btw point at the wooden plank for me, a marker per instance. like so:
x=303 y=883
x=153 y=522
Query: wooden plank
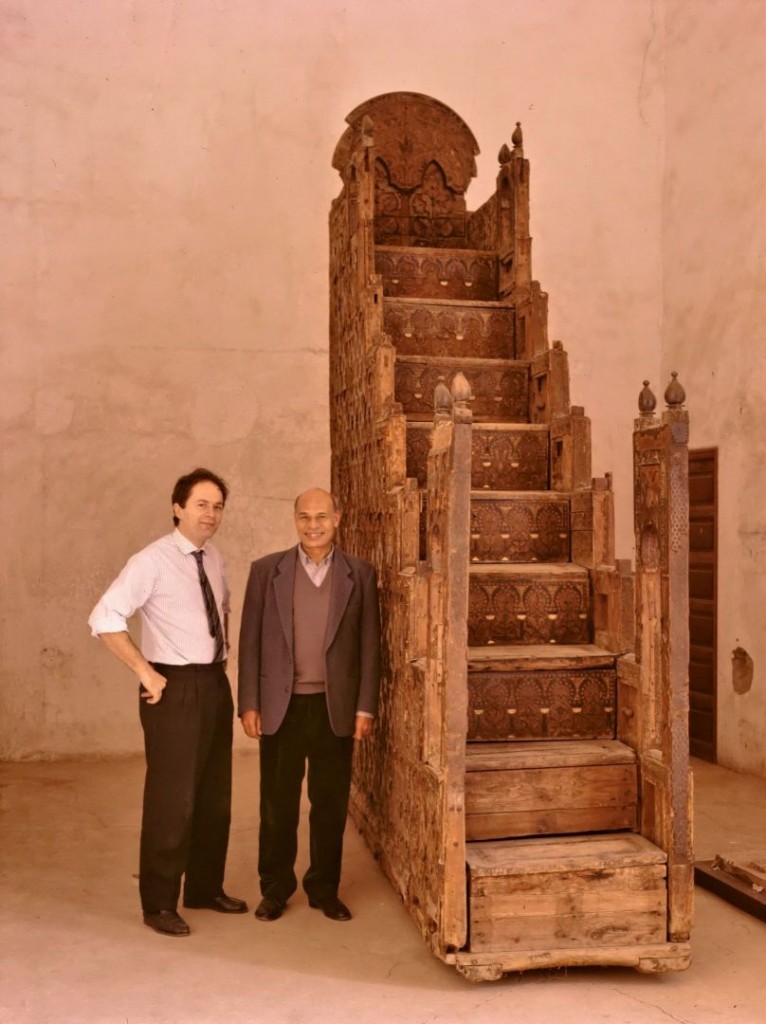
x=552 y=821
x=565 y=853
x=530 y=657
x=542 y=754
x=642 y=876
x=551 y=789
x=649 y=958
x=624 y=926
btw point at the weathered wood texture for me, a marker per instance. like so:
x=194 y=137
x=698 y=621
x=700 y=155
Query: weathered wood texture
x=450 y=418
x=572 y=704
x=567 y=893
x=661 y=510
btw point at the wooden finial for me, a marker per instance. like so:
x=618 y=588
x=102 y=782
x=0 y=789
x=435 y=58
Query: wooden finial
x=442 y=399
x=675 y=395
x=504 y=156
x=647 y=403
x=517 y=138
x=461 y=389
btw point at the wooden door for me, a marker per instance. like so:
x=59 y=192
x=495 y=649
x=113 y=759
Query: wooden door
x=703 y=493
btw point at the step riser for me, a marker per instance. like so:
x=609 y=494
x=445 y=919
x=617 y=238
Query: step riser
x=550 y=801
x=512 y=460
x=439 y=330
x=519 y=530
x=501 y=394
x=566 y=893
x=519 y=611
x=541 y=705
x=438 y=274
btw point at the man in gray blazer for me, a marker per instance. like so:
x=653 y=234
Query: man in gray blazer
x=309 y=668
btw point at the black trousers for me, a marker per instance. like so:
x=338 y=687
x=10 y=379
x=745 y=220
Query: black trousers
x=187 y=793
x=305 y=736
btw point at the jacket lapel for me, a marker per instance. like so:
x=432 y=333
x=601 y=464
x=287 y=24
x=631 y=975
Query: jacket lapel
x=284 y=583
x=342 y=585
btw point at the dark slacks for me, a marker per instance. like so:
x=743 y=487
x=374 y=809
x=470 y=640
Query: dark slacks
x=187 y=793
x=305 y=736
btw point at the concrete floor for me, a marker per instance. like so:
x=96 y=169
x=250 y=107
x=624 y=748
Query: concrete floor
x=74 y=949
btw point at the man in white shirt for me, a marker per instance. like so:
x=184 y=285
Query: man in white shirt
x=178 y=588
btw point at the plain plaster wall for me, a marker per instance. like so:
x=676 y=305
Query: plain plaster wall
x=165 y=188
x=715 y=315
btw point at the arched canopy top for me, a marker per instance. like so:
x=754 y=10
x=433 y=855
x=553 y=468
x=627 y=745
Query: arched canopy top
x=410 y=131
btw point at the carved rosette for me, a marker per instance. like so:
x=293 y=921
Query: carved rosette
x=510 y=460
x=517 y=610
x=432 y=329
x=541 y=705
x=437 y=274
x=500 y=393
x=519 y=530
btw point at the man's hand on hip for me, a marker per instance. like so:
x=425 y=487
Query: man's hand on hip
x=153 y=683
x=251 y=723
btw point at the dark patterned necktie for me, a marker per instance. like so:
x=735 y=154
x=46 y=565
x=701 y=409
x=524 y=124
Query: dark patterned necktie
x=213 y=618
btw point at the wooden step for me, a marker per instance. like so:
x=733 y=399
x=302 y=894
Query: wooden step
x=427 y=273
x=500 y=387
x=529 y=603
x=572 y=892
x=527 y=527
x=537 y=705
x=549 y=788
x=428 y=327
x=505 y=456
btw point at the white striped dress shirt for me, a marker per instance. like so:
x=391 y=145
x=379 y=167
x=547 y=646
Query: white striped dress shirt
x=162 y=584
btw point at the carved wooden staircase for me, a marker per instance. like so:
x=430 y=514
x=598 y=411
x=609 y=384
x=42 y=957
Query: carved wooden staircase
x=527 y=789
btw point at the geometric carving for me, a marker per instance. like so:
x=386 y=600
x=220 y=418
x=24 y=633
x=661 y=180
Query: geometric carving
x=510 y=459
x=500 y=388
x=541 y=705
x=433 y=328
x=519 y=529
x=503 y=460
x=437 y=273
x=514 y=608
x=432 y=214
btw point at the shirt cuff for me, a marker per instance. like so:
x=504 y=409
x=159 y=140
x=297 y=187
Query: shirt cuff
x=113 y=623
x=365 y=714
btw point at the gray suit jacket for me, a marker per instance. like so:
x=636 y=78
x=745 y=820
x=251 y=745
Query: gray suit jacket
x=352 y=642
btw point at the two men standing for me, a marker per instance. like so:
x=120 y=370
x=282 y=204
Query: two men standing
x=309 y=668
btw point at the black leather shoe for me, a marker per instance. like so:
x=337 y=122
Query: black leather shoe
x=269 y=909
x=333 y=908
x=167 y=922
x=223 y=904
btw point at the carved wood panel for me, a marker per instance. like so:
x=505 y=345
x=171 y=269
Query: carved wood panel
x=519 y=530
x=501 y=460
x=510 y=460
x=437 y=274
x=514 y=609
x=433 y=329
x=541 y=705
x=500 y=392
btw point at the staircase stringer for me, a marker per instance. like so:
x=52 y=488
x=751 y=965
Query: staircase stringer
x=411 y=814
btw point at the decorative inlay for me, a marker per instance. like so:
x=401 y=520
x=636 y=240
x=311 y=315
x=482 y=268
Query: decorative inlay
x=541 y=705
x=437 y=274
x=435 y=329
x=500 y=392
x=510 y=460
x=514 y=609
x=519 y=530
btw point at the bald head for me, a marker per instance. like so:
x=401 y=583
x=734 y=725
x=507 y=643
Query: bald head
x=316 y=520
x=314 y=493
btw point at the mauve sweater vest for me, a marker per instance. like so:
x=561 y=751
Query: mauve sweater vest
x=311 y=606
